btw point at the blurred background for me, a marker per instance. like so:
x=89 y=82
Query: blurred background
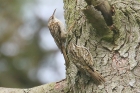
x=29 y=56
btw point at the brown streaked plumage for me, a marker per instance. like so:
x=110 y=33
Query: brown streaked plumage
x=57 y=30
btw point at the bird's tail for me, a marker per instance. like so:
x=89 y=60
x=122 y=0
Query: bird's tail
x=97 y=78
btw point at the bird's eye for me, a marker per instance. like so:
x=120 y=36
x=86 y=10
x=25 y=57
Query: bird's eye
x=50 y=18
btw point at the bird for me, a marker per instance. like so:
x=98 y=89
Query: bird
x=57 y=30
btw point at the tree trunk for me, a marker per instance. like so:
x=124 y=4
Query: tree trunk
x=115 y=55
x=112 y=47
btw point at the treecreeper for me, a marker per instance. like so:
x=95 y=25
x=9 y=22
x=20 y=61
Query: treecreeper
x=80 y=55
x=57 y=30
x=59 y=34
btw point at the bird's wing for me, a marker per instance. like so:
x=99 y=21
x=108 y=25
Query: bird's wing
x=56 y=33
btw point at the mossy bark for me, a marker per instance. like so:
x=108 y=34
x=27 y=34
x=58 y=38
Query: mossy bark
x=118 y=62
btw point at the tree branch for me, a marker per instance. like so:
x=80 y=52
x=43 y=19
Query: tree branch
x=58 y=87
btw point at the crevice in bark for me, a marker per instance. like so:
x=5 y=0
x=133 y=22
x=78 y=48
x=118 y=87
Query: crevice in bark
x=85 y=43
x=106 y=10
x=97 y=22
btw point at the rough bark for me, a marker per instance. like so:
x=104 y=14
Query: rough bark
x=116 y=59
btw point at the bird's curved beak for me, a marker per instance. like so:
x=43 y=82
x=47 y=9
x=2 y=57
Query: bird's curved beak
x=53 y=13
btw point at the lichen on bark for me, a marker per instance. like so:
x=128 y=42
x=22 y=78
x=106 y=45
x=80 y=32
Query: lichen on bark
x=116 y=61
